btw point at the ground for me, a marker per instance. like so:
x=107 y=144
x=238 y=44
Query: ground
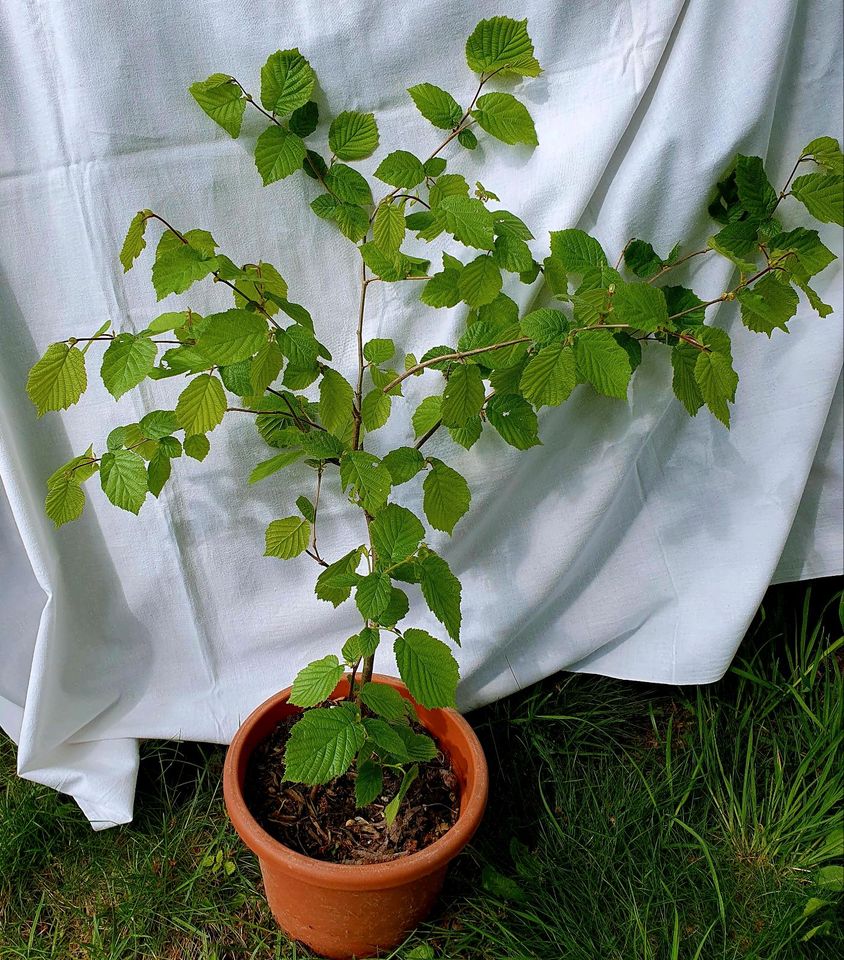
x=626 y=822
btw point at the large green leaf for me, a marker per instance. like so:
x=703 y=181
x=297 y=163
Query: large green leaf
x=436 y=105
x=388 y=227
x=222 y=99
x=463 y=396
x=401 y=169
x=287 y=538
x=201 y=405
x=287 y=82
x=384 y=700
x=316 y=682
x=514 y=419
x=427 y=668
x=323 y=744
x=756 y=194
x=577 y=251
x=336 y=399
x=467 y=220
x=822 y=194
x=768 y=305
x=373 y=595
x=717 y=382
x=603 y=362
x=403 y=463
x=550 y=376
x=367 y=476
x=826 y=151
x=480 y=281
x=640 y=305
x=134 y=242
x=335 y=583
x=179 y=267
x=127 y=362
x=739 y=242
x=505 y=118
x=396 y=533
x=347 y=184
x=232 y=336
x=501 y=45
x=278 y=153
x=65 y=500
x=446 y=496
x=353 y=135
x=123 y=475
x=442 y=591
x=58 y=379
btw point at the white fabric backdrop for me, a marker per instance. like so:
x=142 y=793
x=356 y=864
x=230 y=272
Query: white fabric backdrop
x=635 y=542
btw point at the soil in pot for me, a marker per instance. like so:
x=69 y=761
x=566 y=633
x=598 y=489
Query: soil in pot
x=323 y=823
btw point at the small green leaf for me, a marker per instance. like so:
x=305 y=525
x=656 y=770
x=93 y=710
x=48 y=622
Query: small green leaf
x=134 y=242
x=427 y=668
x=369 y=782
x=201 y=405
x=158 y=423
x=335 y=583
x=577 y=251
x=336 y=399
x=379 y=350
x=480 y=281
x=58 y=379
x=197 y=446
x=222 y=99
x=278 y=153
x=348 y=185
x=367 y=476
x=287 y=82
x=435 y=166
x=65 y=500
x=738 y=241
x=265 y=366
x=442 y=592
x=641 y=258
x=323 y=744
x=467 y=220
x=127 y=362
x=426 y=415
x=446 y=496
x=463 y=396
x=401 y=169
x=268 y=467
x=683 y=361
x=603 y=362
x=375 y=410
x=403 y=464
x=316 y=682
x=641 y=306
x=826 y=152
x=443 y=289
x=717 y=382
x=505 y=118
x=822 y=194
x=756 y=194
x=501 y=44
x=304 y=120
x=396 y=533
x=287 y=538
x=391 y=811
x=388 y=227
x=768 y=305
x=384 y=700
x=232 y=336
x=467 y=139
x=352 y=135
x=436 y=105
x=179 y=268
x=373 y=595
x=514 y=419
x=123 y=475
x=158 y=471
x=550 y=376
x=512 y=254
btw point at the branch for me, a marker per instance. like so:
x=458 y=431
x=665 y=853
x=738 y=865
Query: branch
x=361 y=366
x=457 y=355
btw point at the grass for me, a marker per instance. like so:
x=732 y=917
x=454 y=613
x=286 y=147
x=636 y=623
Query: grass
x=626 y=822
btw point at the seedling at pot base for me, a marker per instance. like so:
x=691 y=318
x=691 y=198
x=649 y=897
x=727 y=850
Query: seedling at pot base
x=262 y=360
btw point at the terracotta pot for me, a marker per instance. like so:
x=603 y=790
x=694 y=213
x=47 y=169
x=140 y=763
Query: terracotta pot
x=348 y=911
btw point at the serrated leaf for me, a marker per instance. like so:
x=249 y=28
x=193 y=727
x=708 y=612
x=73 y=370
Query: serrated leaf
x=265 y=366
x=512 y=254
x=436 y=105
x=64 y=502
x=384 y=700
x=348 y=185
x=369 y=782
x=514 y=419
x=353 y=135
x=427 y=668
x=367 y=476
x=810 y=255
x=303 y=121
x=287 y=538
x=197 y=446
x=480 y=281
x=545 y=325
x=232 y=336
x=447 y=185
x=268 y=467
x=201 y=405
x=768 y=305
x=822 y=194
x=442 y=290
x=134 y=242
x=577 y=251
x=316 y=682
x=390 y=267
x=442 y=592
x=641 y=258
x=158 y=471
x=373 y=594
x=336 y=399
x=680 y=299
x=463 y=396
x=323 y=744
x=738 y=241
x=388 y=227
x=335 y=583
x=446 y=496
x=683 y=360
x=826 y=151
x=641 y=306
x=501 y=44
x=179 y=268
x=222 y=100
x=505 y=118
x=426 y=415
x=375 y=410
x=123 y=475
x=278 y=153
x=403 y=464
x=550 y=376
x=603 y=362
x=58 y=379
x=401 y=169
x=467 y=220
x=396 y=533
x=756 y=194
x=467 y=139
x=158 y=424
x=467 y=435
x=287 y=82
x=418 y=746
x=379 y=350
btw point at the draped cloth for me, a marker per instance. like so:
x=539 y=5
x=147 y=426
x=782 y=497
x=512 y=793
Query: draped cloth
x=635 y=542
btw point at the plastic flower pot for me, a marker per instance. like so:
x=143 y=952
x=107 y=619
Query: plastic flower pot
x=345 y=911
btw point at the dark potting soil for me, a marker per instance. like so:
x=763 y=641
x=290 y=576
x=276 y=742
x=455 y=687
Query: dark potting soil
x=323 y=823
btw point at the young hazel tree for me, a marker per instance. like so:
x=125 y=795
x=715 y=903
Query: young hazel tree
x=261 y=356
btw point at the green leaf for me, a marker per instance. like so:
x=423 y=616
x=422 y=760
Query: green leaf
x=826 y=152
x=738 y=241
x=717 y=382
x=514 y=419
x=811 y=256
x=336 y=399
x=823 y=309
x=384 y=700
x=463 y=396
x=373 y=595
x=505 y=118
x=680 y=299
x=467 y=220
x=158 y=471
x=436 y=105
x=222 y=99
x=641 y=306
x=467 y=139
x=435 y=166
x=396 y=533
x=197 y=446
x=683 y=361
x=201 y=405
x=447 y=185
x=369 y=782
x=385 y=739
x=126 y=362
x=58 y=379
x=287 y=82
x=501 y=44
x=641 y=258
x=179 y=268
x=426 y=415
x=418 y=746
x=512 y=254
x=134 y=242
x=367 y=476
x=822 y=194
x=603 y=362
x=323 y=744
x=268 y=467
x=442 y=591
x=403 y=464
x=427 y=668
x=375 y=410
x=316 y=682
x=232 y=336
x=545 y=325
x=388 y=266
x=443 y=289
x=468 y=435
x=577 y=251
x=379 y=350
x=391 y=811
x=265 y=366
x=756 y=194
x=550 y=376
x=768 y=305
x=348 y=185
x=65 y=500
x=445 y=496
x=287 y=538
x=123 y=475
x=388 y=227
x=304 y=120
x=278 y=153
x=401 y=169
x=335 y=583
x=158 y=424
x=352 y=135
x=171 y=321
x=480 y=281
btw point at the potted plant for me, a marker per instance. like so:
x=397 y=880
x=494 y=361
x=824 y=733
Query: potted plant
x=333 y=781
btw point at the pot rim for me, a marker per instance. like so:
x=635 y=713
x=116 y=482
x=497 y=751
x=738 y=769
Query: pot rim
x=368 y=876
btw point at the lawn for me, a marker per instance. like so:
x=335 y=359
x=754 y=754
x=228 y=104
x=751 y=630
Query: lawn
x=626 y=822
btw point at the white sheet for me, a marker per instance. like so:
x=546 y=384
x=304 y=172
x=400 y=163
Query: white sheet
x=635 y=542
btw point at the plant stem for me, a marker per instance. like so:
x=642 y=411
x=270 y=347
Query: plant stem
x=356 y=414
x=457 y=355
